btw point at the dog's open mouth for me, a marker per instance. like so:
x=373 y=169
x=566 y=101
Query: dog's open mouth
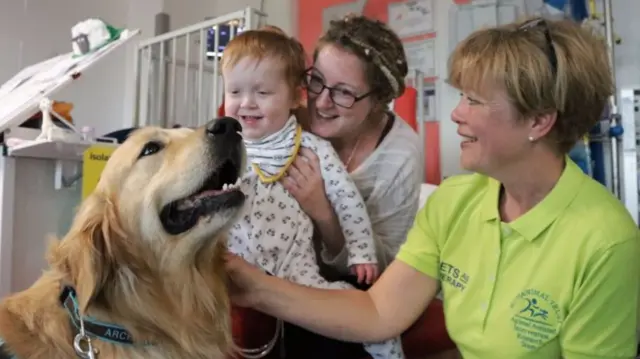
x=219 y=192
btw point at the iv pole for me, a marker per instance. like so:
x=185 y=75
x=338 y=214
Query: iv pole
x=615 y=130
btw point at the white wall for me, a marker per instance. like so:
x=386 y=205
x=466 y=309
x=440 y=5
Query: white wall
x=627 y=61
x=446 y=97
x=280 y=12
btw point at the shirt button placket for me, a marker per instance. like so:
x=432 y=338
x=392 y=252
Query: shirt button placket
x=491 y=279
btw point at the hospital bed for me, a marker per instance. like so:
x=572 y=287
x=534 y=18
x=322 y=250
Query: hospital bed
x=178 y=80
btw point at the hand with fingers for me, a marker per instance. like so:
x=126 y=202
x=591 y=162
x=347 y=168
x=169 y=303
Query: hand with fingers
x=244 y=280
x=367 y=273
x=304 y=182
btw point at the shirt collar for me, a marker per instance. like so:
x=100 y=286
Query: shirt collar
x=537 y=219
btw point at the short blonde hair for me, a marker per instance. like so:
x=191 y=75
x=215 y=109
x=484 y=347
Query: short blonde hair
x=573 y=77
x=268 y=43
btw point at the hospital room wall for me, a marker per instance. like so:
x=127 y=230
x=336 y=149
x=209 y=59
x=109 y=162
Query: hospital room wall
x=279 y=12
x=284 y=13
x=31 y=31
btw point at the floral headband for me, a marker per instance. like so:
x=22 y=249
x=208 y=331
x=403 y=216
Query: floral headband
x=376 y=57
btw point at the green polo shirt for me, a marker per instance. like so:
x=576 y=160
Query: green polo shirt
x=562 y=280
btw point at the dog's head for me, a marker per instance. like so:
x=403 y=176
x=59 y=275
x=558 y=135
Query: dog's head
x=162 y=199
x=177 y=184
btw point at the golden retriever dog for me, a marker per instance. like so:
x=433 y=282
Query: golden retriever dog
x=141 y=271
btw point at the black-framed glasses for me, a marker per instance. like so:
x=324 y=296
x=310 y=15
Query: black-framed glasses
x=550 y=51
x=340 y=96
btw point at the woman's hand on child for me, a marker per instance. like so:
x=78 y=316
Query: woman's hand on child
x=304 y=182
x=367 y=273
x=244 y=281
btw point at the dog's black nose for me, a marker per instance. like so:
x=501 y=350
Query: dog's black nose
x=224 y=126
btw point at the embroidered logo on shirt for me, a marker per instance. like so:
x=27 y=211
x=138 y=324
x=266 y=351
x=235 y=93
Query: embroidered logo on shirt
x=536 y=318
x=453 y=276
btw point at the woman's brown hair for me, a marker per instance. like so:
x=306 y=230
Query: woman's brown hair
x=377 y=46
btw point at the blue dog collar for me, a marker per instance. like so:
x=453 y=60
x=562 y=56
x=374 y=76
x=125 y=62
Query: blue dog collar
x=94 y=328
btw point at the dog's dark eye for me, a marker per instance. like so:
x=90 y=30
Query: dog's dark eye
x=150 y=148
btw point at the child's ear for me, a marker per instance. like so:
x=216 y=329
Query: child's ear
x=302 y=117
x=300 y=108
x=299 y=97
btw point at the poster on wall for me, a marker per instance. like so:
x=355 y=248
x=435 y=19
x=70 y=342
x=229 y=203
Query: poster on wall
x=411 y=18
x=421 y=56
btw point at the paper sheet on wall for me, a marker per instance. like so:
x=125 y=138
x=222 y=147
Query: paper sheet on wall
x=95 y=158
x=411 y=18
x=421 y=56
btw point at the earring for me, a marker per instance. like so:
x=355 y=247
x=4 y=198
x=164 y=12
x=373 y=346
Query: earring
x=531 y=139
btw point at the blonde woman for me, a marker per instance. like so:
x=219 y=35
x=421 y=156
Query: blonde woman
x=535 y=259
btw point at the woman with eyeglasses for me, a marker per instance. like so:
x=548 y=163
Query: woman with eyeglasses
x=359 y=66
x=535 y=259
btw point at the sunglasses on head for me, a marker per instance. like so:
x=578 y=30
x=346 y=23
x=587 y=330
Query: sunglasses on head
x=550 y=51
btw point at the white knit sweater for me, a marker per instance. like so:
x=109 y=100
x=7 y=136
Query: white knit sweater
x=389 y=181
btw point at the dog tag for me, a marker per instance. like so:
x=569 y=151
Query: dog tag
x=83 y=347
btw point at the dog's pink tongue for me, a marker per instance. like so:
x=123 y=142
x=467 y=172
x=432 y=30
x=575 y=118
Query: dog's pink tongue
x=193 y=200
x=210 y=192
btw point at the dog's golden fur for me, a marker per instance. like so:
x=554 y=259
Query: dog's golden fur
x=169 y=290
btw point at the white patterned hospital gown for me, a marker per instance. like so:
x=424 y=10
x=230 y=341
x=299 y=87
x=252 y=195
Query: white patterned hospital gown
x=274 y=233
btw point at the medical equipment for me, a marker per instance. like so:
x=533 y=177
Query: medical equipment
x=178 y=79
x=614 y=142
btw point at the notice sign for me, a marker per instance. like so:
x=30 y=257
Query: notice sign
x=94 y=160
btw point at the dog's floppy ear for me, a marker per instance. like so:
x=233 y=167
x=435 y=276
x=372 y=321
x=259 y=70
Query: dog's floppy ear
x=89 y=254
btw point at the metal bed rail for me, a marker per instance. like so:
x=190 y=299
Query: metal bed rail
x=177 y=74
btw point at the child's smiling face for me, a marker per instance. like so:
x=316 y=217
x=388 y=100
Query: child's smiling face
x=256 y=92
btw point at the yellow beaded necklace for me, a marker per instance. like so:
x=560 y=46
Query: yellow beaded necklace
x=296 y=147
